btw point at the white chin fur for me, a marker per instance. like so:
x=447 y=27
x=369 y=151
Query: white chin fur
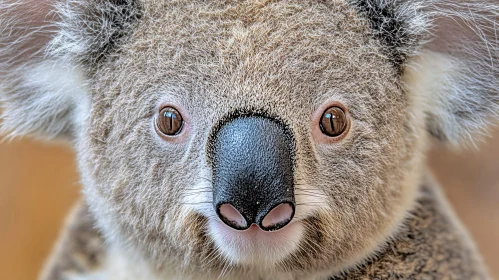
x=255 y=247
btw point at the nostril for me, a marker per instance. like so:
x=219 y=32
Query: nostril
x=278 y=217
x=231 y=217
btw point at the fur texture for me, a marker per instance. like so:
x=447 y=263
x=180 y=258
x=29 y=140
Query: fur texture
x=430 y=245
x=400 y=27
x=108 y=66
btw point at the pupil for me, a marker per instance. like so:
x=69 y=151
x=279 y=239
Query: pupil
x=331 y=122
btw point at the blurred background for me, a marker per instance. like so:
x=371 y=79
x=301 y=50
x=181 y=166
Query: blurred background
x=39 y=184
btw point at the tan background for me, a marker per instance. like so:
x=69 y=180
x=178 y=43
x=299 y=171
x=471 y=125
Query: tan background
x=39 y=183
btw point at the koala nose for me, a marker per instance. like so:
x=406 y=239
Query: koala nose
x=253 y=183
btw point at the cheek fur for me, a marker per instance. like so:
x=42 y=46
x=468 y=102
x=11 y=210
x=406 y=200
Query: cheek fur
x=198 y=198
x=309 y=200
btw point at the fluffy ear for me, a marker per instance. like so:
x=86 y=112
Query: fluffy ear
x=48 y=49
x=456 y=74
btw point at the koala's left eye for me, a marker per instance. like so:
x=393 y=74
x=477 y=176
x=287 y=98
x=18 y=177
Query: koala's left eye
x=169 y=121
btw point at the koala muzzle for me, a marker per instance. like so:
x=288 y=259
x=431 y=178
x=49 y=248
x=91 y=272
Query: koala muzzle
x=253 y=182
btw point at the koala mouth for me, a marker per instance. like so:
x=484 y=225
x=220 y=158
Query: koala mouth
x=253 y=166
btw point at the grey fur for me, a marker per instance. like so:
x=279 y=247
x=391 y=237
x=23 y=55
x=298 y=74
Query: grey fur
x=121 y=60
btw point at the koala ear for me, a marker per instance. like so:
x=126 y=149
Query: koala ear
x=48 y=49
x=456 y=74
x=36 y=92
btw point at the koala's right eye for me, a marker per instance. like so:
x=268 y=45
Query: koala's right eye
x=169 y=121
x=333 y=122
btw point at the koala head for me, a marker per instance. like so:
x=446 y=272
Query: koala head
x=258 y=136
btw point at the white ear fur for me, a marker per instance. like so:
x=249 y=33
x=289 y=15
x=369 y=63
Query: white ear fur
x=38 y=95
x=43 y=46
x=456 y=74
x=49 y=99
x=457 y=104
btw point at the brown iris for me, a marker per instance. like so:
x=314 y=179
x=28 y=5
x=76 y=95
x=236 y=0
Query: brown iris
x=169 y=121
x=333 y=122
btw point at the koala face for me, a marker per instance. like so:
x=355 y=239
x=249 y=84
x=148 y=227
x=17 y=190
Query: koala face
x=270 y=136
x=220 y=70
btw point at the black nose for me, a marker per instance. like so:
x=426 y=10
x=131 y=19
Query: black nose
x=253 y=173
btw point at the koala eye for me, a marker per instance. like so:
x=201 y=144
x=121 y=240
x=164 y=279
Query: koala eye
x=333 y=122
x=169 y=121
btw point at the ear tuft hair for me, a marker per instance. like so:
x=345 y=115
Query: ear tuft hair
x=457 y=73
x=91 y=30
x=44 y=45
x=45 y=101
x=400 y=27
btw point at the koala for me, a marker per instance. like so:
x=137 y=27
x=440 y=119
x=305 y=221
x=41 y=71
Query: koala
x=254 y=139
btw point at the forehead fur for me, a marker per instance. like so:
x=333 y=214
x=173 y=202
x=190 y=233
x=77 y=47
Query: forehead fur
x=397 y=25
x=283 y=45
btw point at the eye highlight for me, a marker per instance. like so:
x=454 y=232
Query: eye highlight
x=169 y=121
x=333 y=122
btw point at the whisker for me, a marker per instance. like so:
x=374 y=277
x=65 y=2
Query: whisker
x=194 y=193
x=196 y=203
